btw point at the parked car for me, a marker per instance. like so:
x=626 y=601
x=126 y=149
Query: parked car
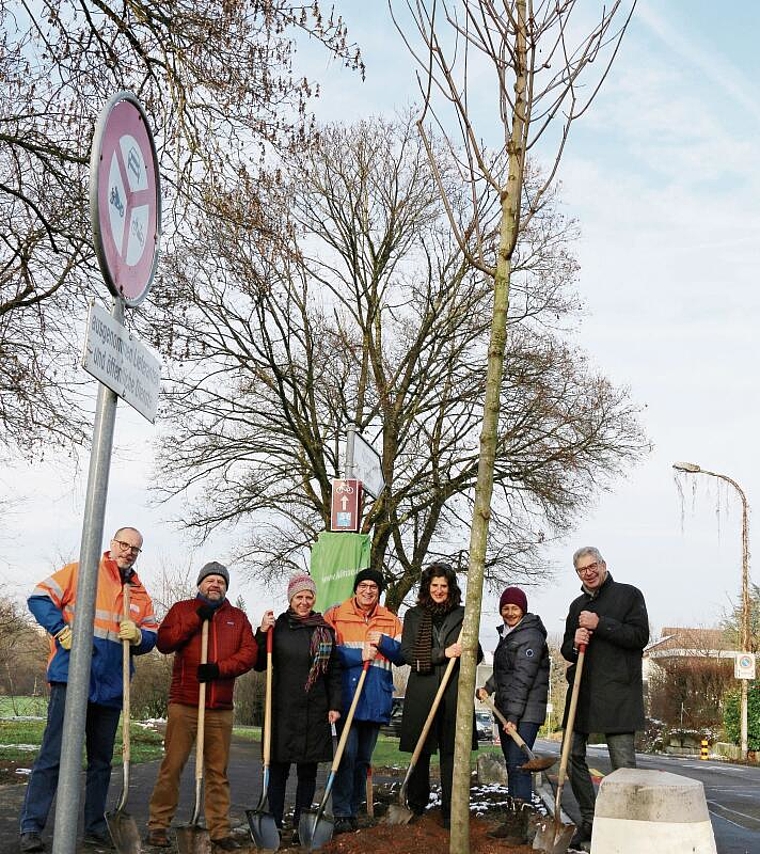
x=484 y=726
x=393 y=727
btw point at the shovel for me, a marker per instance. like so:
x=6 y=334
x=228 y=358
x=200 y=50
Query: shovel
x=314 y=828
x=534 y=763
x=191 y=838
x=553 y=837
x=121 y=825
x=264 y=831
x=400 y=813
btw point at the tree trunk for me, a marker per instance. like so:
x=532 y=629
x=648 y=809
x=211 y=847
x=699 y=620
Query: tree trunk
x=510 y=219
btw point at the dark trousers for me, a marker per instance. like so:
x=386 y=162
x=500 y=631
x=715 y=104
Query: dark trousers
x=351 y=778
x=278 y=779
x=519 y=783
x=622 y=755
x=418 y=790
x=100 y=734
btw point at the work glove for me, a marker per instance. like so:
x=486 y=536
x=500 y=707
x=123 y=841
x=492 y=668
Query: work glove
x=208 y=672
x=64 y=637
x=128 y=631
x=205 y=612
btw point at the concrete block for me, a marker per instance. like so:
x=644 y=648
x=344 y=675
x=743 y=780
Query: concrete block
x=638 y=812
x=491 y=769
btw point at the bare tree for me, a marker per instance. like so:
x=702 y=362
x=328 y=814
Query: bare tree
x=23 y=651
x=541 y=64
x=218 y=83
x=370 y=313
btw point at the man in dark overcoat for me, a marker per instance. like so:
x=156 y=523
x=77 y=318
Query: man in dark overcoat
x=611 y=620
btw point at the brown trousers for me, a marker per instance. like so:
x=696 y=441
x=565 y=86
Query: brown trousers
x=181 y=728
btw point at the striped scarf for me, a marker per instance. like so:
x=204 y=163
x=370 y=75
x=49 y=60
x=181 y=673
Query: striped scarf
x=320 y=646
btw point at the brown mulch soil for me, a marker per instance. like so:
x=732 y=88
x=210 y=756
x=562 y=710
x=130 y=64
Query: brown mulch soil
x=426 y=834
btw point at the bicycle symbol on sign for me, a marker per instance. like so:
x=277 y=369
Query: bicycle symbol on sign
x=344 y=487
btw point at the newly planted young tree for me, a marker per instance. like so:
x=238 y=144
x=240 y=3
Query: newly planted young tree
x=545 y=67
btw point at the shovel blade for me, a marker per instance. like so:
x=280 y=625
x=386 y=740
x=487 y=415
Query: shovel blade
x=124 y=833
x=192 y=839
x=264 y=831
x=539 y=763
x=398 y=814
x=315 y=829
x=553 y=838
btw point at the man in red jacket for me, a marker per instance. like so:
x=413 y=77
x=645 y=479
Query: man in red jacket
x=232 y=651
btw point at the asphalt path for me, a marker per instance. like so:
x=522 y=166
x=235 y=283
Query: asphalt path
x=732 y=792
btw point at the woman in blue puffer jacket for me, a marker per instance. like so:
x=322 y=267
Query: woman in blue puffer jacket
x=520 y=681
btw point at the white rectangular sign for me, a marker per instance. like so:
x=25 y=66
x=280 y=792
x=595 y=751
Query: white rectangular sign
x=115 y=357
x=367 y=465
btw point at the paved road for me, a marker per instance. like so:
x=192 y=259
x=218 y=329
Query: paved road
x=732 y=793
x=245 y=780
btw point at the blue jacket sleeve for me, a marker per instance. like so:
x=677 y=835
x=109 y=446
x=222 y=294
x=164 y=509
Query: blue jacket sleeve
x=391 y=649
x=46 y=613
x=350 y=656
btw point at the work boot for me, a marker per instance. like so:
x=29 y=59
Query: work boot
x=158 y=838
x=29 y=842
x=226 y=843
x=514 y=831
x=581 y=840
x=101 y=841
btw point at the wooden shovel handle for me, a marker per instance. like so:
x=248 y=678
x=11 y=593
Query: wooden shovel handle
x=268 y=701
x=201 y=731
x=125 y=674
x=568 y=735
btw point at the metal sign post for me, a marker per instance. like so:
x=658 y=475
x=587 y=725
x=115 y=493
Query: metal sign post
x=125 y=209
x=67 y=801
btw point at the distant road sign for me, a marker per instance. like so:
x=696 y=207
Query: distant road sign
x=125 y=198
x=346 y=505
x=744 y=665
x=116 y=358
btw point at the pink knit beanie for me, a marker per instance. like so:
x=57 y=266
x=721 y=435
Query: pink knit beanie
x=302 y=581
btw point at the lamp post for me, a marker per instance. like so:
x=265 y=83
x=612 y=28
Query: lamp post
x=693 y=468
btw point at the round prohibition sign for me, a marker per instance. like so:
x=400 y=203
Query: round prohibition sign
x=125 y=198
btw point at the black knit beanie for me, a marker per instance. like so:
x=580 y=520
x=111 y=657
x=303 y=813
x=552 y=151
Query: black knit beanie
x=370 y=575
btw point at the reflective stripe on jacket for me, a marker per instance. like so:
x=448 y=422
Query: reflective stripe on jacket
x=53 y=604
x=352 y=625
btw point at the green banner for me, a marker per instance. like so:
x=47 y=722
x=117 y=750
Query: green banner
x=335 y=560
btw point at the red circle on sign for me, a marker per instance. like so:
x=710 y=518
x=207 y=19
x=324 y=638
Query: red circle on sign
x=125 y=198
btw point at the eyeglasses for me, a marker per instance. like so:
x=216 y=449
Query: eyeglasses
x=128 y=547
x=367 y=587
x=592 y=567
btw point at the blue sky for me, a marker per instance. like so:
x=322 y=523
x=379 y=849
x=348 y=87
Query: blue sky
x=662 y=175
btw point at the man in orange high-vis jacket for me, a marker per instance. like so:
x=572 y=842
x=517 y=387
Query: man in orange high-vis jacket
x=364 y=631
x=53 y=604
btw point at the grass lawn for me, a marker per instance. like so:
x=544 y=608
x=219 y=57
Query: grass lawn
x=20 y=739
x=386 y=755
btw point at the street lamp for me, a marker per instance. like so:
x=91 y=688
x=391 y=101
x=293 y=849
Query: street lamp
x=693 y=468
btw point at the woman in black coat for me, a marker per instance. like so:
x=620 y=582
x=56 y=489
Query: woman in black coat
x=520 y=680
x=429 y=640
x=306 y=694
